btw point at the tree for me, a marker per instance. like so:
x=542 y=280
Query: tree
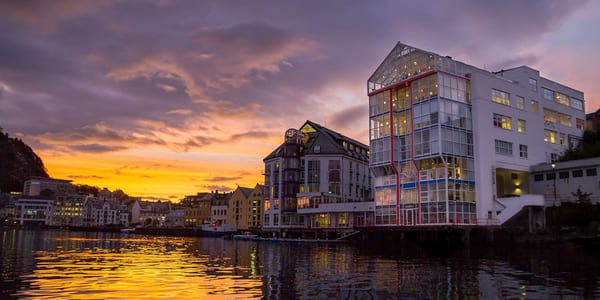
x=582 y=197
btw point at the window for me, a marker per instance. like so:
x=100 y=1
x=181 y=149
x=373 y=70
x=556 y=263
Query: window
x=523 y=151
x=590 y=172
x=520 y=103
x=500 y=97
x=550 y=115
x=576 y=104
x=563 y=99
x=550 y=176
x=577 y=173
x=501 y=121
x=522 y=126
x=562 y=139
x=579 y=123
x=553 y=157
x=538 y=177
x=276 y=219
x=535 y=106
x=564 y=120
x=503 y=147
x=533 y=84
x=549 y=136
x=548 y=94
x=563 y=175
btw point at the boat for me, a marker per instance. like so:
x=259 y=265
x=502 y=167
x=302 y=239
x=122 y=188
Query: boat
x=218 y=229
x=128 y=230
x=247 y=236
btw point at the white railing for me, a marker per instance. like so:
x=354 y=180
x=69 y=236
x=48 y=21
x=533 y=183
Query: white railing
x=513 y=205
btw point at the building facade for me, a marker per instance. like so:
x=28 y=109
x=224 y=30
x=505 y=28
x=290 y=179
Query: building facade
x=317 y=178
x=453 y=144
x=34 y=211
x=559 y=182
x=35 y=185
x=245 y=207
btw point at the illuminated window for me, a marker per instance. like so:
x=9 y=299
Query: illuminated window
x=563 y=139
x=550 y=115
x=533 y=84
x=535 y=106
x=563 y=99
x=503 y=147
x=523 y=151
x=548 y=94
x=522 y=126
x=520 y=102
x=580 y=124
x=500 y=97
x=564 y=120
x=549 y=136
x=501 y=121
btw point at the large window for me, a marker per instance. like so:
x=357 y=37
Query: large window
x=548 y=94
x=501 y=121
x=580 y=124
x=500 y=97
x=549 y=136
x=503 y=147
x=523 y=151
x=522 y=126
x=313 y=175
x=576 y=104
x=520 y=102
x=563 y=139
x=452 y=88
x=564 y=120
x=533 y=84
x=563 y=99
x=334 y=177
x=550 y=115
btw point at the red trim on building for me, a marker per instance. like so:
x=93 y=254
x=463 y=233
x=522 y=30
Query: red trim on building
x=401 y=82
x=392 y=160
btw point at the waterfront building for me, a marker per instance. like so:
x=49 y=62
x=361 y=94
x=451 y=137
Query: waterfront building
x=218 y=209
x=100 y=212
x=34 y=211
x=317 y=178
x=245 y=207
x=7 y=205
x=560 y=181
x=454 y=144
x=154 y=212
x=175 y=218
x=197 y=209
x=68 y=210
x=35 y=185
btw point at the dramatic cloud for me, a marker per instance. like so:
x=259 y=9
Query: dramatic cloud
x=222 y=178
x=195 y=83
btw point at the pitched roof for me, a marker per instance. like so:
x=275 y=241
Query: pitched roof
x=322 y=140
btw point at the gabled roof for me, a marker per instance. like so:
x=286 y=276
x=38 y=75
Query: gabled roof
x=322 y=140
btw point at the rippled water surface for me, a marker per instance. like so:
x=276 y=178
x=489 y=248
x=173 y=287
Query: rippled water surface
x=57 y=264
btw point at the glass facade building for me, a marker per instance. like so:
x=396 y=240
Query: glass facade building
x=421 y=140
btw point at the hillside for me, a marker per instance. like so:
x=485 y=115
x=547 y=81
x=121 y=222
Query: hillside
x=17 y=162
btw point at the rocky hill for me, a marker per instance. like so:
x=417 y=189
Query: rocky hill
x=17 y=162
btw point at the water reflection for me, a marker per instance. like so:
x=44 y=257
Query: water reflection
x=63 y=264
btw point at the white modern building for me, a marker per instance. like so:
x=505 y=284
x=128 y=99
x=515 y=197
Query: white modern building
x=452 y=144
x=34 y=211
x=559 y=182
x=317 y=178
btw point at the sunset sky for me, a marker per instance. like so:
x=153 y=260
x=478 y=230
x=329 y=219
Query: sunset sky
x=169 y=98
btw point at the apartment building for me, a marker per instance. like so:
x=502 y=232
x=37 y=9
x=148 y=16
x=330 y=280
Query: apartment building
x=454 y=144
x=317 y=178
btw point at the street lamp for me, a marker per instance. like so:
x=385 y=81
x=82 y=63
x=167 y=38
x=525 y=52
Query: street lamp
x=554 y=172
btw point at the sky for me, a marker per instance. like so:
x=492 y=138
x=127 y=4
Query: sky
x=169 y=98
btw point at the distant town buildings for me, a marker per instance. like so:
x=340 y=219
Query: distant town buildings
x=36 y=185
x=245 y=207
